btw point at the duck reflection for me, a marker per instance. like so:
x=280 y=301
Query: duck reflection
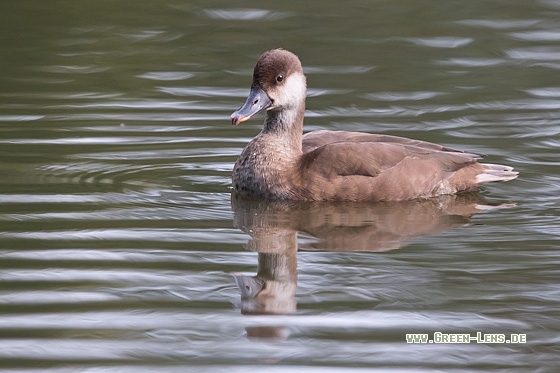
x=274 y=225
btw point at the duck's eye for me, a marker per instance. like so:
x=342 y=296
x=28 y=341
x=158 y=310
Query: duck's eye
x=279 y=78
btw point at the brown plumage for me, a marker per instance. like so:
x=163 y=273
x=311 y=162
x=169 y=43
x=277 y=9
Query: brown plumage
x=280 y=163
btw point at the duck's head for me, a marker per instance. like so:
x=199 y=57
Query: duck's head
x=278 y=85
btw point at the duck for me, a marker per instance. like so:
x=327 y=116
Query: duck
x=281 y=163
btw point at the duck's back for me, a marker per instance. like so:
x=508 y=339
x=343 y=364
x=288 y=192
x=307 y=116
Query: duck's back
x=316 y=139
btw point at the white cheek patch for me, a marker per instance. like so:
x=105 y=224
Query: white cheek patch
x=292 y=92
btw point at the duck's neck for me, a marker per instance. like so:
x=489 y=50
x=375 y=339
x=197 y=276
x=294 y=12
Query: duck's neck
x=287 y=125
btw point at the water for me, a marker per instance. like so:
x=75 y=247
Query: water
x=121 y=249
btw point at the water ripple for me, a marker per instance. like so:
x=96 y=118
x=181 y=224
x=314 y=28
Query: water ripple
x=147 y=104
x=541 y=35
x=535 y=53
x=141 y=128
x=499 y=24
x=146 y=117
x=441 y=42
x=545 y=92
x=138 y=36
x=472 y=62
x=42 y=297
x=399 y=111
x=403 y=96
x=73 y=69
x=417 y=110
x=167 y=75
x=204 y=91
x=20 y=118
x=131 y=197
x=191 y=256
x=120 y=140
x=50 y=198
x=163 y=154
x=129 y=214
x=247 y=14
x=224 y=236
x=61 y=96
x=337 y=69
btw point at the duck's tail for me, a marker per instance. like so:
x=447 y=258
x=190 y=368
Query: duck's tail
x=495 y=172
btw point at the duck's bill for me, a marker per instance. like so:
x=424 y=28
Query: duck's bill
x=257 y=101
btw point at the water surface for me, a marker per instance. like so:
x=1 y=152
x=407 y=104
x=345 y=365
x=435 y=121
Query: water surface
x=121 y=249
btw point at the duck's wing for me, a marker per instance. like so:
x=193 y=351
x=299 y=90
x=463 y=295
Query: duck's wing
x=387 y=168
x=375 y=158
x=317 y=139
